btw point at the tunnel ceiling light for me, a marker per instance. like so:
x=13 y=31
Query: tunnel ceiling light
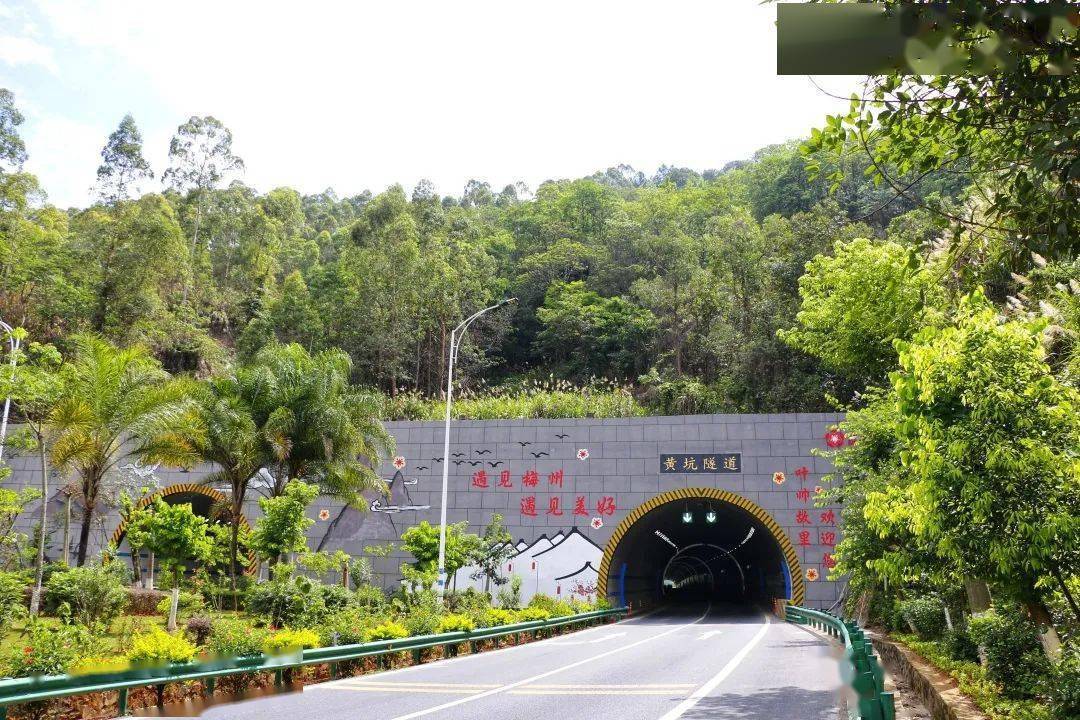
x=710 y=517
x=688 y=517
x=666 y=539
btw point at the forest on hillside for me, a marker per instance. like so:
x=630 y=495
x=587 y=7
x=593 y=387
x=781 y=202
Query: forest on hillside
x=670 y=286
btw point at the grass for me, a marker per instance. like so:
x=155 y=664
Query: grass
x=554 y=399
x=972 y=680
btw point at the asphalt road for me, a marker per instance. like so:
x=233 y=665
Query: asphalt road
x=694 y=662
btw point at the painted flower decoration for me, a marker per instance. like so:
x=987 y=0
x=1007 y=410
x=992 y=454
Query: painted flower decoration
x=818 y=489
x=812 y=574
x=399 y=462
x=779 y=478
x=324 y=514
x=851 y=440
x=597 y=523
x=835 y=438
x=583 y=454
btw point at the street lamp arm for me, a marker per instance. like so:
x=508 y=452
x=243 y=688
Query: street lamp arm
x=455 y=341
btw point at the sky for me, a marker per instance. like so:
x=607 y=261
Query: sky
x=360 y=95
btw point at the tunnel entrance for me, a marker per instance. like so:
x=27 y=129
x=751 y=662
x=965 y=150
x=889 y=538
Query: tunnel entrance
x=699 y=542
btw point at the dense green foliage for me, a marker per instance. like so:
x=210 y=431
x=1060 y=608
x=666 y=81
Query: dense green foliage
x=633 y=280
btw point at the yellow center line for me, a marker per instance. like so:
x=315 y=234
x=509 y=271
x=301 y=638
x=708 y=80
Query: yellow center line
x=610 y=686
x=669 y=691
x=391 y=688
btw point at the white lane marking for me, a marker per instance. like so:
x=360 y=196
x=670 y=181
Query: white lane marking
x=444 y=662
x=549 y=673
x=605 y=638
x=710 y=633
x=711 y=683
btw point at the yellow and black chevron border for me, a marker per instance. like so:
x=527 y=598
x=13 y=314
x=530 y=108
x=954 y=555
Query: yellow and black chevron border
x=798 y=585
x=179 y=489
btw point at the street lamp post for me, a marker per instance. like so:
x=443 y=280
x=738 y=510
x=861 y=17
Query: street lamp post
x=455 y=344
x=13 y=343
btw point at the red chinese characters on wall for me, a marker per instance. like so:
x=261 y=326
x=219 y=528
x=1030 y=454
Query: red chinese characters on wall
x=579 y=506
x=480 y=479
x=504 y=479
x=528 y=506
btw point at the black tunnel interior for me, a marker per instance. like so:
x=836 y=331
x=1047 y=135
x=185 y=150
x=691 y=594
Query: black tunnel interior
x=687 y=549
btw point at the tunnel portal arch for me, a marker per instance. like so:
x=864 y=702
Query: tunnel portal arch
x=613 y=568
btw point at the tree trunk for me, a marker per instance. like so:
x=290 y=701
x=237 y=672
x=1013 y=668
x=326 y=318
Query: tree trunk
x=194 y=249
x=233 y=543
x=1065 y=591
x=948 y=616
x=67 y=529
x=862 y=606
x=978 y=595
x=175 y=604
x=345 y=575
x=136 y=566
x=1048 y=636
x=39 y=568
x=84 y=532
x=150 y=572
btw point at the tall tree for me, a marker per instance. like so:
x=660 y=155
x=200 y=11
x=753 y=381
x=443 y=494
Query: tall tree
x=990 y=437
x=200 y=157
x=12 y=147
x=117 y=404
x=122 y=163
x=177 y=536
x=234 y=443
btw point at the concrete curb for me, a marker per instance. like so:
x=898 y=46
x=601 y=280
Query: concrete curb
x=935 y=688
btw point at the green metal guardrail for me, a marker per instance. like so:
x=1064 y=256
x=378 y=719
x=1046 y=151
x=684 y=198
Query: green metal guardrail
x=862 y=670
x=20 y=690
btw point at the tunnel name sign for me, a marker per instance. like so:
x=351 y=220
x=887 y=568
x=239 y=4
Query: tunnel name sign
x=701 y=463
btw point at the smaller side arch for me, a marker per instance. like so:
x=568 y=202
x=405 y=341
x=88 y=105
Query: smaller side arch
x=181 y=489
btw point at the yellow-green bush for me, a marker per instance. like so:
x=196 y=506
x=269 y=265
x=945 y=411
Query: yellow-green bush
x=284 y=640
x=532 y=614
x=455 y=623
x=388 y=631
x=158 y=646
x=498 y=616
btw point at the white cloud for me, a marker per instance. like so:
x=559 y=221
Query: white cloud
x=26 y=51
x=366 y=94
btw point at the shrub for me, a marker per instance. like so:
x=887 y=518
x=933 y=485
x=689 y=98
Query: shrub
x=144 y=601
x=12 y=595
x=347 y=627
x=553 y=607
x=532 y=614
x=335 y=597
x=198 y=629
x=158 y=647
x=284 y=600
x=189 y=603
x=388 y=631
x=230 y=637
x=370 y=597
x=1013 y=655
x=286 y=640
x=50 y=650
x=959 y=645
x=1064 y=689
x=510 y=593
x=90 y=594
x=470 y=602
x=926 y=614
x=99 y=665
x=455 y=623
x=497 y=616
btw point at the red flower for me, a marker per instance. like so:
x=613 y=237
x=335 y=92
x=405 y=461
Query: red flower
x=835 y=438
x=399 y=462
x=583 y=454
x=597 y=523
x=778 y=478
x=812 y=574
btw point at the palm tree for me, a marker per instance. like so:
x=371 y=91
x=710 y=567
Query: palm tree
x=234 y=443
x=317 y=427
x=117 y=404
